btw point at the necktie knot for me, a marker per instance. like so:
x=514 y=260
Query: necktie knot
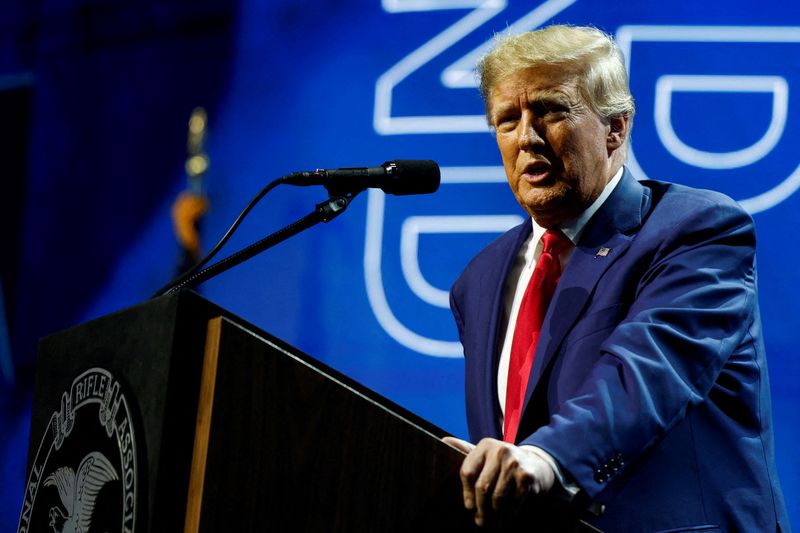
x=554 y=242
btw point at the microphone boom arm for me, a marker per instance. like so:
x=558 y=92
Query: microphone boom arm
x=399 y=177
x=323 y=212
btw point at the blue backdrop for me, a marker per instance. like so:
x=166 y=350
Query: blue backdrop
x=95 y=97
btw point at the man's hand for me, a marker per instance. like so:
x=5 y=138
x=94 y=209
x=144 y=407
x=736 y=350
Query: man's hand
x=497 y=476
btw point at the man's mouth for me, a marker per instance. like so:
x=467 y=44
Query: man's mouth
x=537 y=172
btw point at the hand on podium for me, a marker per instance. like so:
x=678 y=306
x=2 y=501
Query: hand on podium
x=498 y=477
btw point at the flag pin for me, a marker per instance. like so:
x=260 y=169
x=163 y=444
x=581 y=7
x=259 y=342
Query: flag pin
x=602 y=252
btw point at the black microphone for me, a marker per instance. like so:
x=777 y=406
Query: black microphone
x=393 y=177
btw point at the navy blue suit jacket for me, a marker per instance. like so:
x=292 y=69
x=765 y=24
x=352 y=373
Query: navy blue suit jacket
x=649 y=384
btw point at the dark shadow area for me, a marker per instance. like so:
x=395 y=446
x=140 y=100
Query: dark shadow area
x=94 y=98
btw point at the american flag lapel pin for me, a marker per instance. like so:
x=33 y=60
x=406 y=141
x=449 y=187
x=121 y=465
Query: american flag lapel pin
x=602 y=252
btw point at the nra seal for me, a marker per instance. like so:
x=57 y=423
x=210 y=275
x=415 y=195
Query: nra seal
x=84 y=476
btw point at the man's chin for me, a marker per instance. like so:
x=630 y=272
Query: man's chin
x=545 y=205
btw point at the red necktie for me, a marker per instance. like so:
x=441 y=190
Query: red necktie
x=529 y=323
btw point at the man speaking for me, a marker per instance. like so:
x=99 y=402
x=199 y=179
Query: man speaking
x=612 y=341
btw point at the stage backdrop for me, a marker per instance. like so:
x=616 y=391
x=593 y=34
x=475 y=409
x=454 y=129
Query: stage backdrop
x=107 y=89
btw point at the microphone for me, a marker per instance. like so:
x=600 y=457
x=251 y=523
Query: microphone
x=393 y=177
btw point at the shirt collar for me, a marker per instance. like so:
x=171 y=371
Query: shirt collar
x=573 y=229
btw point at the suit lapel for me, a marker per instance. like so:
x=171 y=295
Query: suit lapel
x=605 y=240
x=492 y=286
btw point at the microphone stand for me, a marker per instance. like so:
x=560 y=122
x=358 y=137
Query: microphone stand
x=324 y=212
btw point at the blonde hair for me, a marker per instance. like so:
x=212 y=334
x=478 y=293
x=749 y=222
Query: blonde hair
x=590 y=53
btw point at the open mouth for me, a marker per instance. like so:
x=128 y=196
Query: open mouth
x=536 y=172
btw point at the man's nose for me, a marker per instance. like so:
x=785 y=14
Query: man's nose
x=529 y=136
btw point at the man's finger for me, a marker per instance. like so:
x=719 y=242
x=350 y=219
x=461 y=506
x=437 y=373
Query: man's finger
x=460 y=444
x=470 y=470
x=485 y=485
x=503 y=489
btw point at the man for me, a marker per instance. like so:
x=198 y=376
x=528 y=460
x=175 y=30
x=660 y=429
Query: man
x=613 y=343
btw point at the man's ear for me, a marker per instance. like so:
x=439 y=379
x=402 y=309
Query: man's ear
x=617 y=132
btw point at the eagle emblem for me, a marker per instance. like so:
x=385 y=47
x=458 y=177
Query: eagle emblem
x=79 y=492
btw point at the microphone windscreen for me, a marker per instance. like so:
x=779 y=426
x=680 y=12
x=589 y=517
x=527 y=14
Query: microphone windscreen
x=411 y=176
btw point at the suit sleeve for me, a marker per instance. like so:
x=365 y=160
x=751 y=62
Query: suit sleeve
x=691 y=309
x=457 y=312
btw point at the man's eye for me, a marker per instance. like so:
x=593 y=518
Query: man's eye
x=507 y=123
x=556 y=108
x=543 y=109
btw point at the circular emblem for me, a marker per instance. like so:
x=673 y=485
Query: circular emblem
x=84 y=476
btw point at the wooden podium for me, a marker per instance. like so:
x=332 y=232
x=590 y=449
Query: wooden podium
x=175 y=415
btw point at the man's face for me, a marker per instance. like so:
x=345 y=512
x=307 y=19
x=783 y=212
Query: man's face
x=556 y=150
